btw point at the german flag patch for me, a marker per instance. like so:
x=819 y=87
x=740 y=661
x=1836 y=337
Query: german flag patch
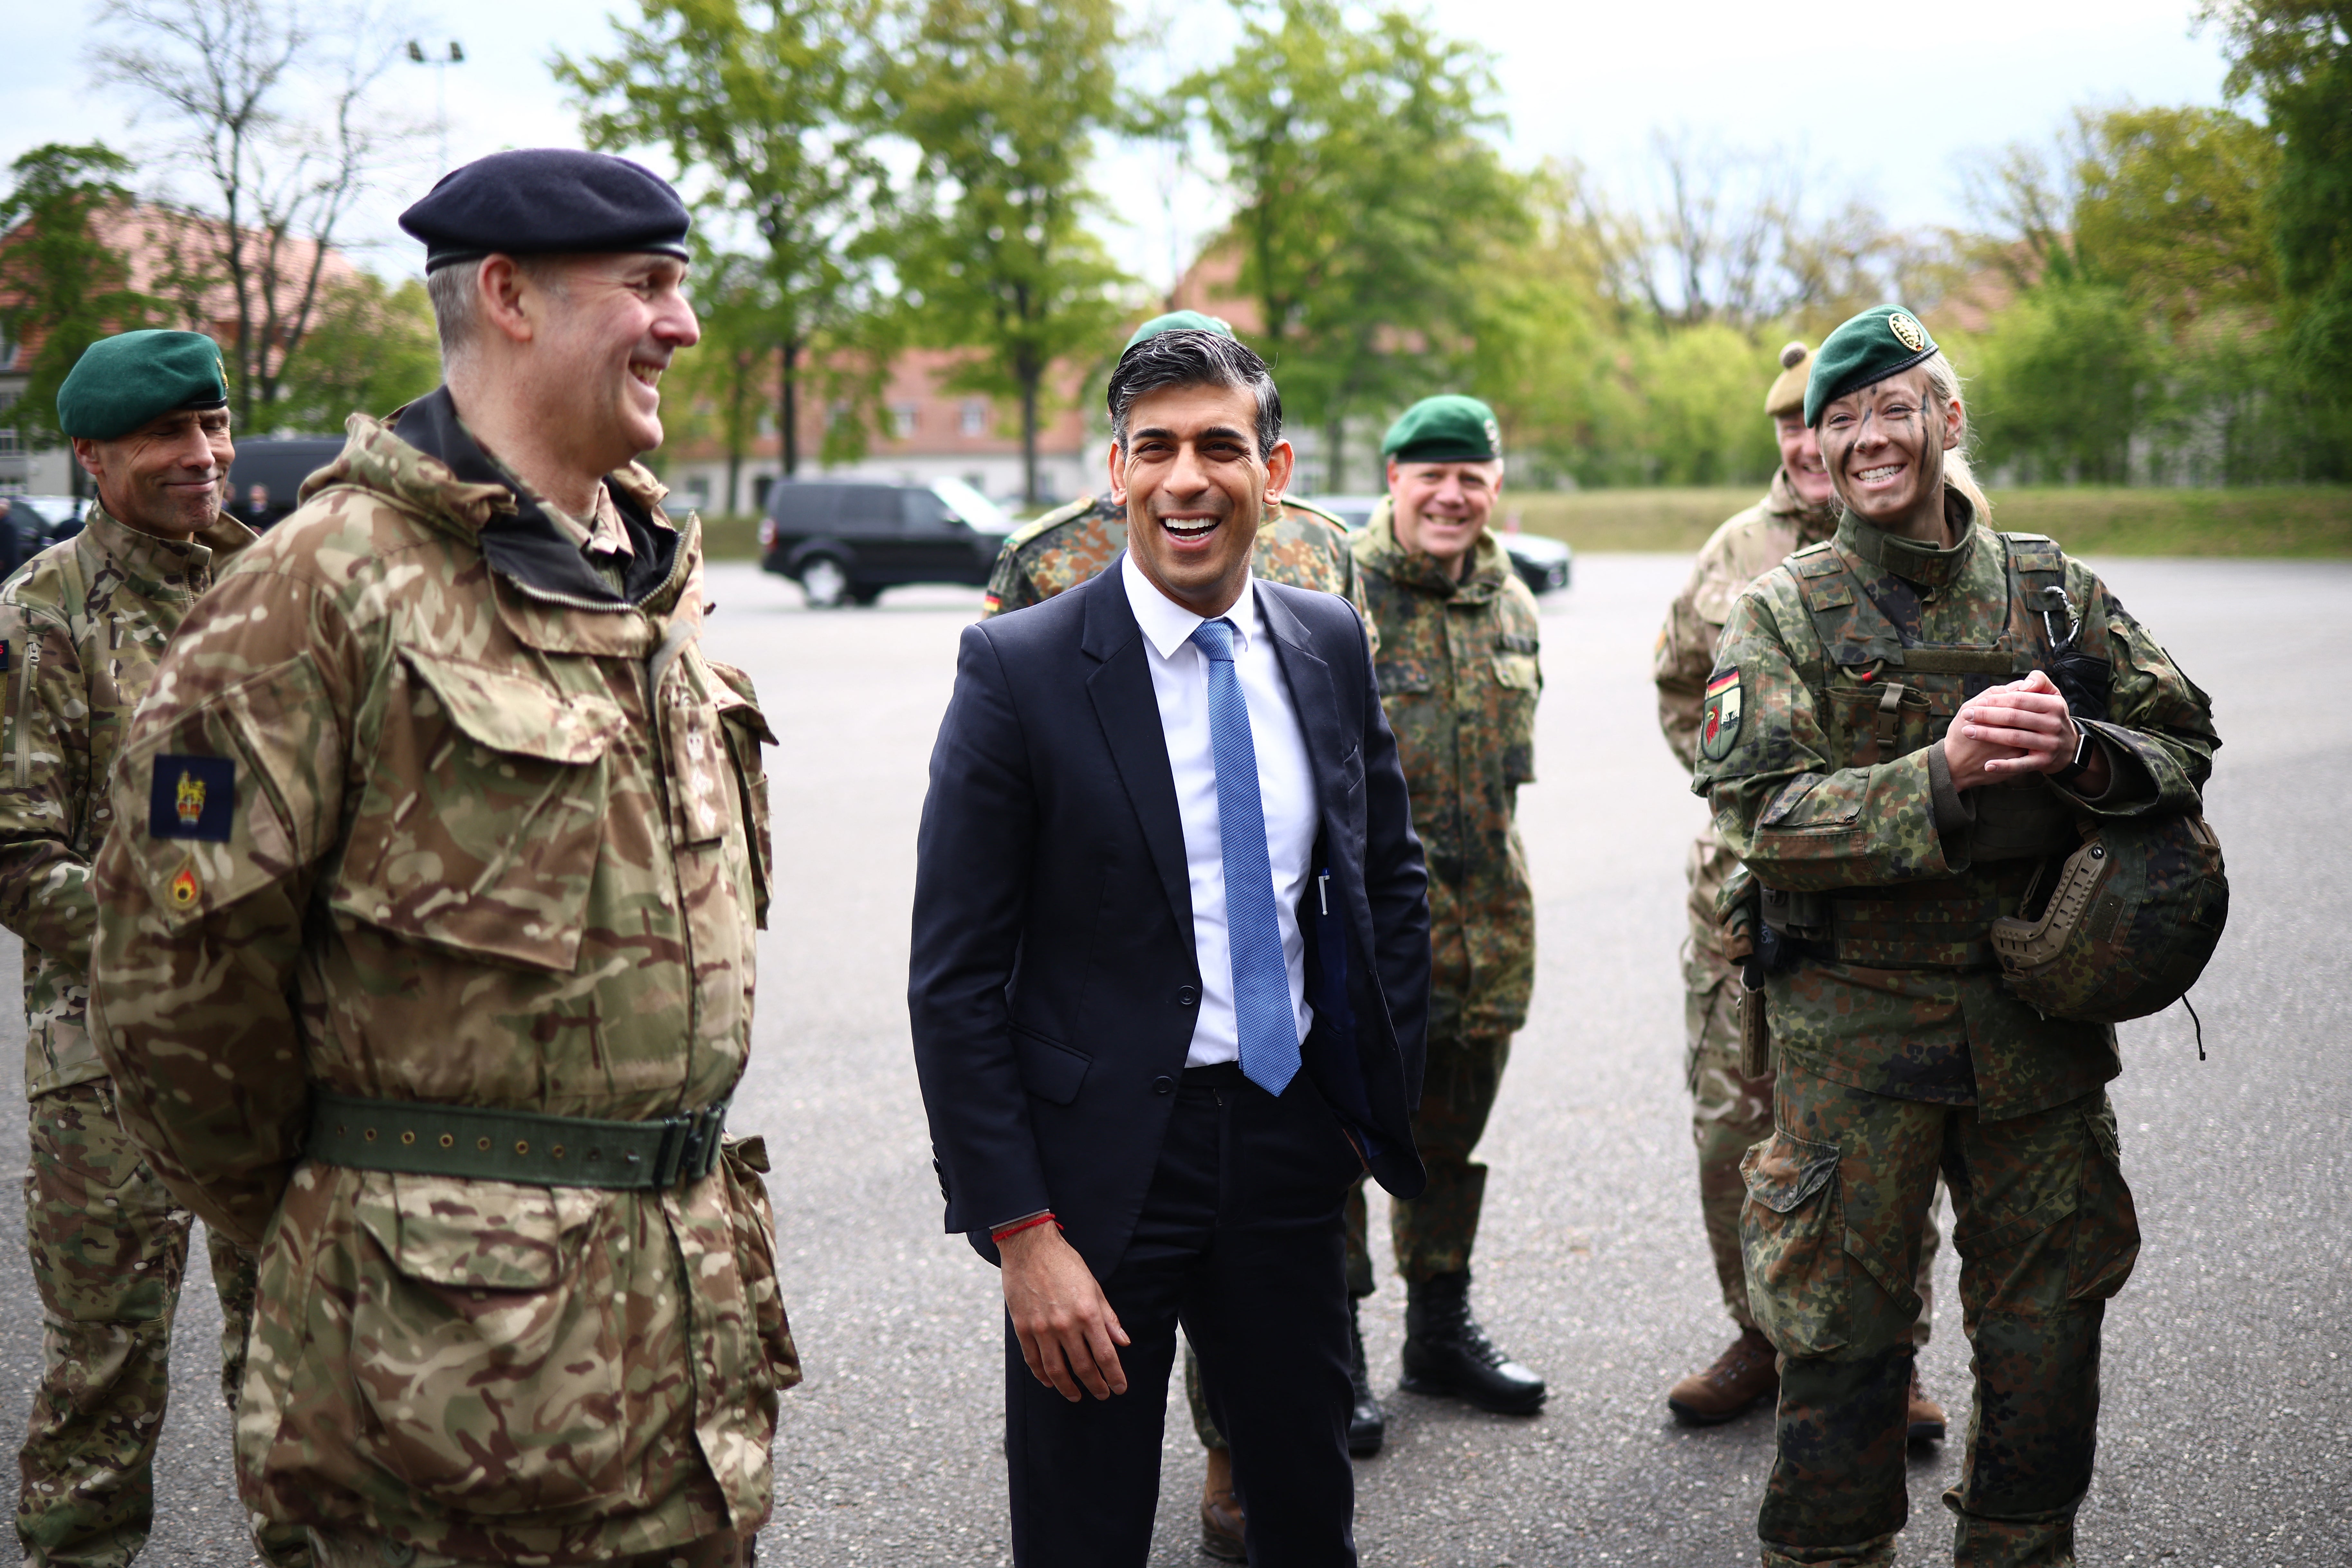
x=1718 y=725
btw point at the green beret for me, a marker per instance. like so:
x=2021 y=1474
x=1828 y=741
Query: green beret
x=1179 y=321
x=122 y=381
x=1448 y=429
x=1883 y=340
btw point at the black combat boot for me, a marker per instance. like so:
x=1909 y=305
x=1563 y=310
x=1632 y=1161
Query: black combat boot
x=1446 y=1352
x=1367 y=1424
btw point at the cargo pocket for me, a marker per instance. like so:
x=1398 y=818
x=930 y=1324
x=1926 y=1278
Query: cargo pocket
x=480 y=826
x=1792 y=1237
x=745 y=1163
x=1519 y=681
x=486 y=1343
x=2107 y=1221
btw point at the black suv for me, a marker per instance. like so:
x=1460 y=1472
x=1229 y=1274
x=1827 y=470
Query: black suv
x=30 y=524
x=844 y=541
x=270 y=471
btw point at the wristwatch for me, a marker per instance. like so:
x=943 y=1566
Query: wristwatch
x=2074 y=770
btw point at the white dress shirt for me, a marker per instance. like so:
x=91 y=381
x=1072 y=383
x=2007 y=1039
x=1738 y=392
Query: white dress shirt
x=1286 y=788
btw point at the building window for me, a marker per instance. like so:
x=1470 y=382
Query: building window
x=698 y=488
x=975 y=417
x=903 y=417
x=10 y=443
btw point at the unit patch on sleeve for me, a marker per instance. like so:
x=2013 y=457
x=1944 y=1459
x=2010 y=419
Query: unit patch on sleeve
x=1718 y=726
x=192 y=797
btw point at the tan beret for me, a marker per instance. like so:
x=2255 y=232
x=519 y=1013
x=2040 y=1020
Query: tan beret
x=1788 y=393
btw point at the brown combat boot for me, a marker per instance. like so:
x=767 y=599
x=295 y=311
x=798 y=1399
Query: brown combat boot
x=1743 y=1374
x=1924 y=1417
x=1220 y=1511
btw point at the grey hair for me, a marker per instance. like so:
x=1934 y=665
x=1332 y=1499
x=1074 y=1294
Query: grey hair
x=458 y=303
x=1189 y=357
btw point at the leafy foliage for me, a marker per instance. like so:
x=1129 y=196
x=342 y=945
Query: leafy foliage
x=61 y=288
x=372 y=349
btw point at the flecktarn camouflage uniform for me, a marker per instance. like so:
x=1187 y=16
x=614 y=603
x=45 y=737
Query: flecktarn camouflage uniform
x=1729 y=1110
x=1899 y=1050
x=1459 y=678
x=82 y=626
x=1297 y=544
x=437 y=854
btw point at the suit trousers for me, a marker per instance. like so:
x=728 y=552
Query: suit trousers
x=1239 y=1242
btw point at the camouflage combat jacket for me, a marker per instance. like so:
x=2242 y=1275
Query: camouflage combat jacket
x=1297 y=544
x=1459 y=678
x=82 y=624
x=1735 y=556
x=421 y=808
x=1821 y=753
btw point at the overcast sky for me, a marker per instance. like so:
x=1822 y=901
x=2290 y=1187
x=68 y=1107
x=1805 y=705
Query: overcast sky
x=1886 y=101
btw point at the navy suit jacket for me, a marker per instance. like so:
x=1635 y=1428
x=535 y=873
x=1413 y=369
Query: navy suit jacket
x=1054 y=982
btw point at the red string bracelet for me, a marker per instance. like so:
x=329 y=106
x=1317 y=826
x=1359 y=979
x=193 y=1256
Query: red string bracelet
x=1029 y=1223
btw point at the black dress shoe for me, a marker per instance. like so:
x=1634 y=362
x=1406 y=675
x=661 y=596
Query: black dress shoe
x=1447 y=1352
x=1367 y=1424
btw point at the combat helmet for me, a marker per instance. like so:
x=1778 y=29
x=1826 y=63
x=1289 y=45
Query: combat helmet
x=2122 y=927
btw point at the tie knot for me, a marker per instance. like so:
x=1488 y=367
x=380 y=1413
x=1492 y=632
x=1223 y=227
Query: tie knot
x=1215 y=640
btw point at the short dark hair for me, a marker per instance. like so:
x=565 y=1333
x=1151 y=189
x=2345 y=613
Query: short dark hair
x=1189 y=357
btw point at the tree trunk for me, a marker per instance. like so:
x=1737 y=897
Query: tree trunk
x=788 y=355
x=738 y=393
x=1029 y=379
x=1333 y=483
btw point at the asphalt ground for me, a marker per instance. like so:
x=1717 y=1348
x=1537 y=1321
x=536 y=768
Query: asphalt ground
x=2226 y=1420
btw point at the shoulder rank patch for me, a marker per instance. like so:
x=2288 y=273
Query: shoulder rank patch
x=1719 y=727
x=192 y=797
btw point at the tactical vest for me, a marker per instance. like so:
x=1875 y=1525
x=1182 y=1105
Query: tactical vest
x=1879 y=699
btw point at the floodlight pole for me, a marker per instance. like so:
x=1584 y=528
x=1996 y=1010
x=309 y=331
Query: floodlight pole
x=440 y=64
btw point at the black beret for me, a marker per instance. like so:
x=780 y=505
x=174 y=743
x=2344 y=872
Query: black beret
x=122 y=381
x=547 y=201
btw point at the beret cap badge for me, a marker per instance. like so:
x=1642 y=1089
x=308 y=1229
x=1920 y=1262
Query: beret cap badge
x=1907 y=331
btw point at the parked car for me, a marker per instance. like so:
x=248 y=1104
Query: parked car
x=1543 y=562
x=268 y=475
x=30 y=524
x=844 y=541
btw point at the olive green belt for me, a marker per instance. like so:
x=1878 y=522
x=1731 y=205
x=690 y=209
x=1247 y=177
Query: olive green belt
x=419 y=1138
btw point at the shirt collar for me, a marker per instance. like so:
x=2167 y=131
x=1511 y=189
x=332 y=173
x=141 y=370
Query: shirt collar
x=1170 y=625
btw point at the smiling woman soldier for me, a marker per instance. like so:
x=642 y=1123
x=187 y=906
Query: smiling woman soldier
x=1885 y=749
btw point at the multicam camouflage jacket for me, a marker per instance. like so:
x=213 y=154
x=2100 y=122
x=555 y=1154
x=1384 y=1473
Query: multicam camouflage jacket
x=82 y=624
x=1297 y=544
x=1735 y=556
x=421 y=809
x=1459 y=679
x=1821 y=753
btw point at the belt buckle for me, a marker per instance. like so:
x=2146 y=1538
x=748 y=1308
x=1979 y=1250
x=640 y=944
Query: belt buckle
x=690 y=1145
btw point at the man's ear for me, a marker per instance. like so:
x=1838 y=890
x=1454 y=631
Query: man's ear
x=509 y=301
x=1280 y=464
x=1116 y=460
x=85 y=451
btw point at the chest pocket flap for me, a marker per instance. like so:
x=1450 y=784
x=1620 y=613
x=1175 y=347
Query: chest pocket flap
x=480 y=827
x=1403 y=676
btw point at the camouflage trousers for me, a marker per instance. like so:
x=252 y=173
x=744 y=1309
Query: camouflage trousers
x=109 y=1248
x=377 y=1551
x=1730 y=1113
x=2046 y=1232
x=1433 y=1233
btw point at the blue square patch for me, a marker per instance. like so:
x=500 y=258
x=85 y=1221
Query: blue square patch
x=192 y=797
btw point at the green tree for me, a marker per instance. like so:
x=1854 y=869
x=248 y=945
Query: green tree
x=2170 y=203
x=61 y=286
x=372 y=349
x=2064 y=379
x=721 y=384
x=2296 y=56
x=768 y=112
x=1369 y=205
x=1002 y=101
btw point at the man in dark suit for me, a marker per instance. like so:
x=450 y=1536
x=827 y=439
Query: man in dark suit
x=1169 y=976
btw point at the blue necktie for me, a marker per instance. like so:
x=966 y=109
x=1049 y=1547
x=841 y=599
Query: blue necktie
x=1262 y=1011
